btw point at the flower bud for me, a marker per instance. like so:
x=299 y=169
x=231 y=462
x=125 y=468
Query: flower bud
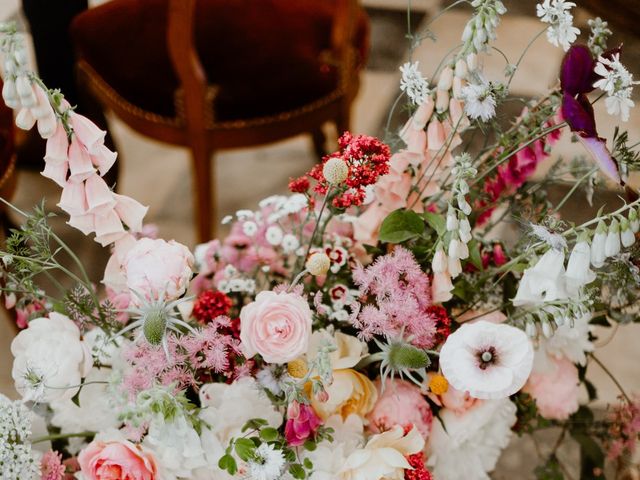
x=439 y=262
x=634 y=223
x=597 y=245
x=461 y=68
x=47 y=125
x=442 y=100
x=10 y=94
x=25 y=92
x=530 y=329
x=612 y=243
x=452 y=221
x=547 y=331
x=627 y=237
x=472 y=62
x=463 y=204
x=25 y=120
x=335 y=171
x=458 y=85
x=446 y=79
x=318 y=264
x=454 y=266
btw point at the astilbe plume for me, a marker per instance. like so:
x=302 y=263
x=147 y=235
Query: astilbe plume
x=401 y=296
x=624 y=431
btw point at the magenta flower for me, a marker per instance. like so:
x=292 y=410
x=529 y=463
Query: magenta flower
x=302 y=423
x=577 y=77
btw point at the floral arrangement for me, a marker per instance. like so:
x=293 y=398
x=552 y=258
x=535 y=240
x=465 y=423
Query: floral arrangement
x=374 y=324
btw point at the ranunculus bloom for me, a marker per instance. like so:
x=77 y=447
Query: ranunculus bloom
x=49 y=359
x=401 y=403
x=383 y=457
x=157 y=268
x=302 y=422
x=487 y=360
x=350 y=392
x=555 y=390
x=277 y=326
x=116 y=460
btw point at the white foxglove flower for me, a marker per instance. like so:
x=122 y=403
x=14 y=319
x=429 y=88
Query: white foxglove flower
x=458 y=249
x=439 y=262
x=413 y=83
x=627 y=237
x=634 y=223
x=612 y=243
x=486 y=359
x=454 y=267
x=579 y=272
x=598 y=255
x=452 y=220
x=543 y=282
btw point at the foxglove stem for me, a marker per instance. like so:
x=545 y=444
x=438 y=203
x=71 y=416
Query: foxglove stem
x=612 y=377
x=574 y=188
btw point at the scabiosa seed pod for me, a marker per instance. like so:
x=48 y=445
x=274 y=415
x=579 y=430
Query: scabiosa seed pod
x=627 y=237
x=597 y=245
x=318 y=264
x=154 y=326
x=335 y=171
x=612 y=243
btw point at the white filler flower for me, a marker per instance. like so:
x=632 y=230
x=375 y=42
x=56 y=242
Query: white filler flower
x=413 y=83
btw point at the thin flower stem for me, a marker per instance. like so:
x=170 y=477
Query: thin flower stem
x=574 y=188
x=60 y=436
x=315 y=228
x=531 y=42
x=611 y=376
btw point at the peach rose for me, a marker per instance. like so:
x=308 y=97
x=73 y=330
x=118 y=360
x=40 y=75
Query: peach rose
x=277 y=326
x=118 y=459
x=350 y=392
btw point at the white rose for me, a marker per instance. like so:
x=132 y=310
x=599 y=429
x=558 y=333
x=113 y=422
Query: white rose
x=50 y=359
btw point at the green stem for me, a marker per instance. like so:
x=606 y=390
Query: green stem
x=611 y=376
x=60 y=436
x=574 y=188
x=523 y=54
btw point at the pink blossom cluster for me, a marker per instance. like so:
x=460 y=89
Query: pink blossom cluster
x=210 y=348
x=77 y=159
x=401 y=296
x=624 y=431
x=512 y=175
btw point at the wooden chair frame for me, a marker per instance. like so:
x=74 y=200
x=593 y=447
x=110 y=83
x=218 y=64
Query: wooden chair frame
x=195 y=125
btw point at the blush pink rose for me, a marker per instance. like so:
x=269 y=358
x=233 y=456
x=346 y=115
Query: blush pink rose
x=555 y=390
x=121 y=459
x=157 y=268
x=277 y=326
x=402 y=404
x=302 y=423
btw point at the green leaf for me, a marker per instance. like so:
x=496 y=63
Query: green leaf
x=550 y=470
x=600 y=320
x=308 y=464
x=245 y=448
x=310 y=445
x=591 y=456
x=268 y=434
x=437 y=222
x=474 y=254
x=297 y=471
x=228 y=463
x=400 y=226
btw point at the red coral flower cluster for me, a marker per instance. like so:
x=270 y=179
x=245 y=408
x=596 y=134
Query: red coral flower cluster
x=210 y=305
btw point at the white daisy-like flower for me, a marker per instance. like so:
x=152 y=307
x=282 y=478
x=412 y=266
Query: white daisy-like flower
x=290 y=243
x=267 y=463
x=226 y=219
x=479 y=100
x=561 y=32
x=413 y=83
x=249 y=228
x=486 y=359
x=618 y=83
x=274 y=235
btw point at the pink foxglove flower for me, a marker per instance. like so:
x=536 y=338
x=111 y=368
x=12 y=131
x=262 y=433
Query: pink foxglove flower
x=487 y=360
x=276 y=326
x=302 y=423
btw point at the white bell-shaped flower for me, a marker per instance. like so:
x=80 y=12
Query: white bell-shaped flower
x=627 y=237
x=612 y=243
x=597 y=246
x=543 y=282
x=579 y=271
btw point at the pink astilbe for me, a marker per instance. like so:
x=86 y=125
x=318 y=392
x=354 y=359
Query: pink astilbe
x=624 y=431
x=51 y=467
x=401 y=296
x=212 y=347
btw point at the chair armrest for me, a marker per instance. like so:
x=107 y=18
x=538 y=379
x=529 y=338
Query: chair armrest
x=342 y=38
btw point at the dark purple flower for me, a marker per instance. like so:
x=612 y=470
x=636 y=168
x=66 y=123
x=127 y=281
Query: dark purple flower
x=577 y=77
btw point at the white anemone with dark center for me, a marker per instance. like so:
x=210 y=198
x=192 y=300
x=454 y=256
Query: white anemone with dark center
x=486 y=359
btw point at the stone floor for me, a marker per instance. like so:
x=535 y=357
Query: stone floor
x=158 y=175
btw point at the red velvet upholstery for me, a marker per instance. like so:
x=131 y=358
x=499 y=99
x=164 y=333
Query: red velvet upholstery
x=265 y=55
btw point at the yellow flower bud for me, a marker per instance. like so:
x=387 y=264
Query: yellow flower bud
x=318 y=264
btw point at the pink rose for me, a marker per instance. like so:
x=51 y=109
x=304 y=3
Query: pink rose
x=402 y=404
x=302 y=423
x=277 y=326
x=157 y=268
x=121 y=459
x=555 y=390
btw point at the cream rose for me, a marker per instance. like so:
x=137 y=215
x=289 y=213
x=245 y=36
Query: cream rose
x=277 y=326
x=350 y=392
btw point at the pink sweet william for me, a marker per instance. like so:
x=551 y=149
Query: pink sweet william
x=302 y=423
x=121 y=459
x=276 y=325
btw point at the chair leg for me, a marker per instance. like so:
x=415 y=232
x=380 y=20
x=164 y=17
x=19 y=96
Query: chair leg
x=343 y=122
x=203 y=198
x=319 y=142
